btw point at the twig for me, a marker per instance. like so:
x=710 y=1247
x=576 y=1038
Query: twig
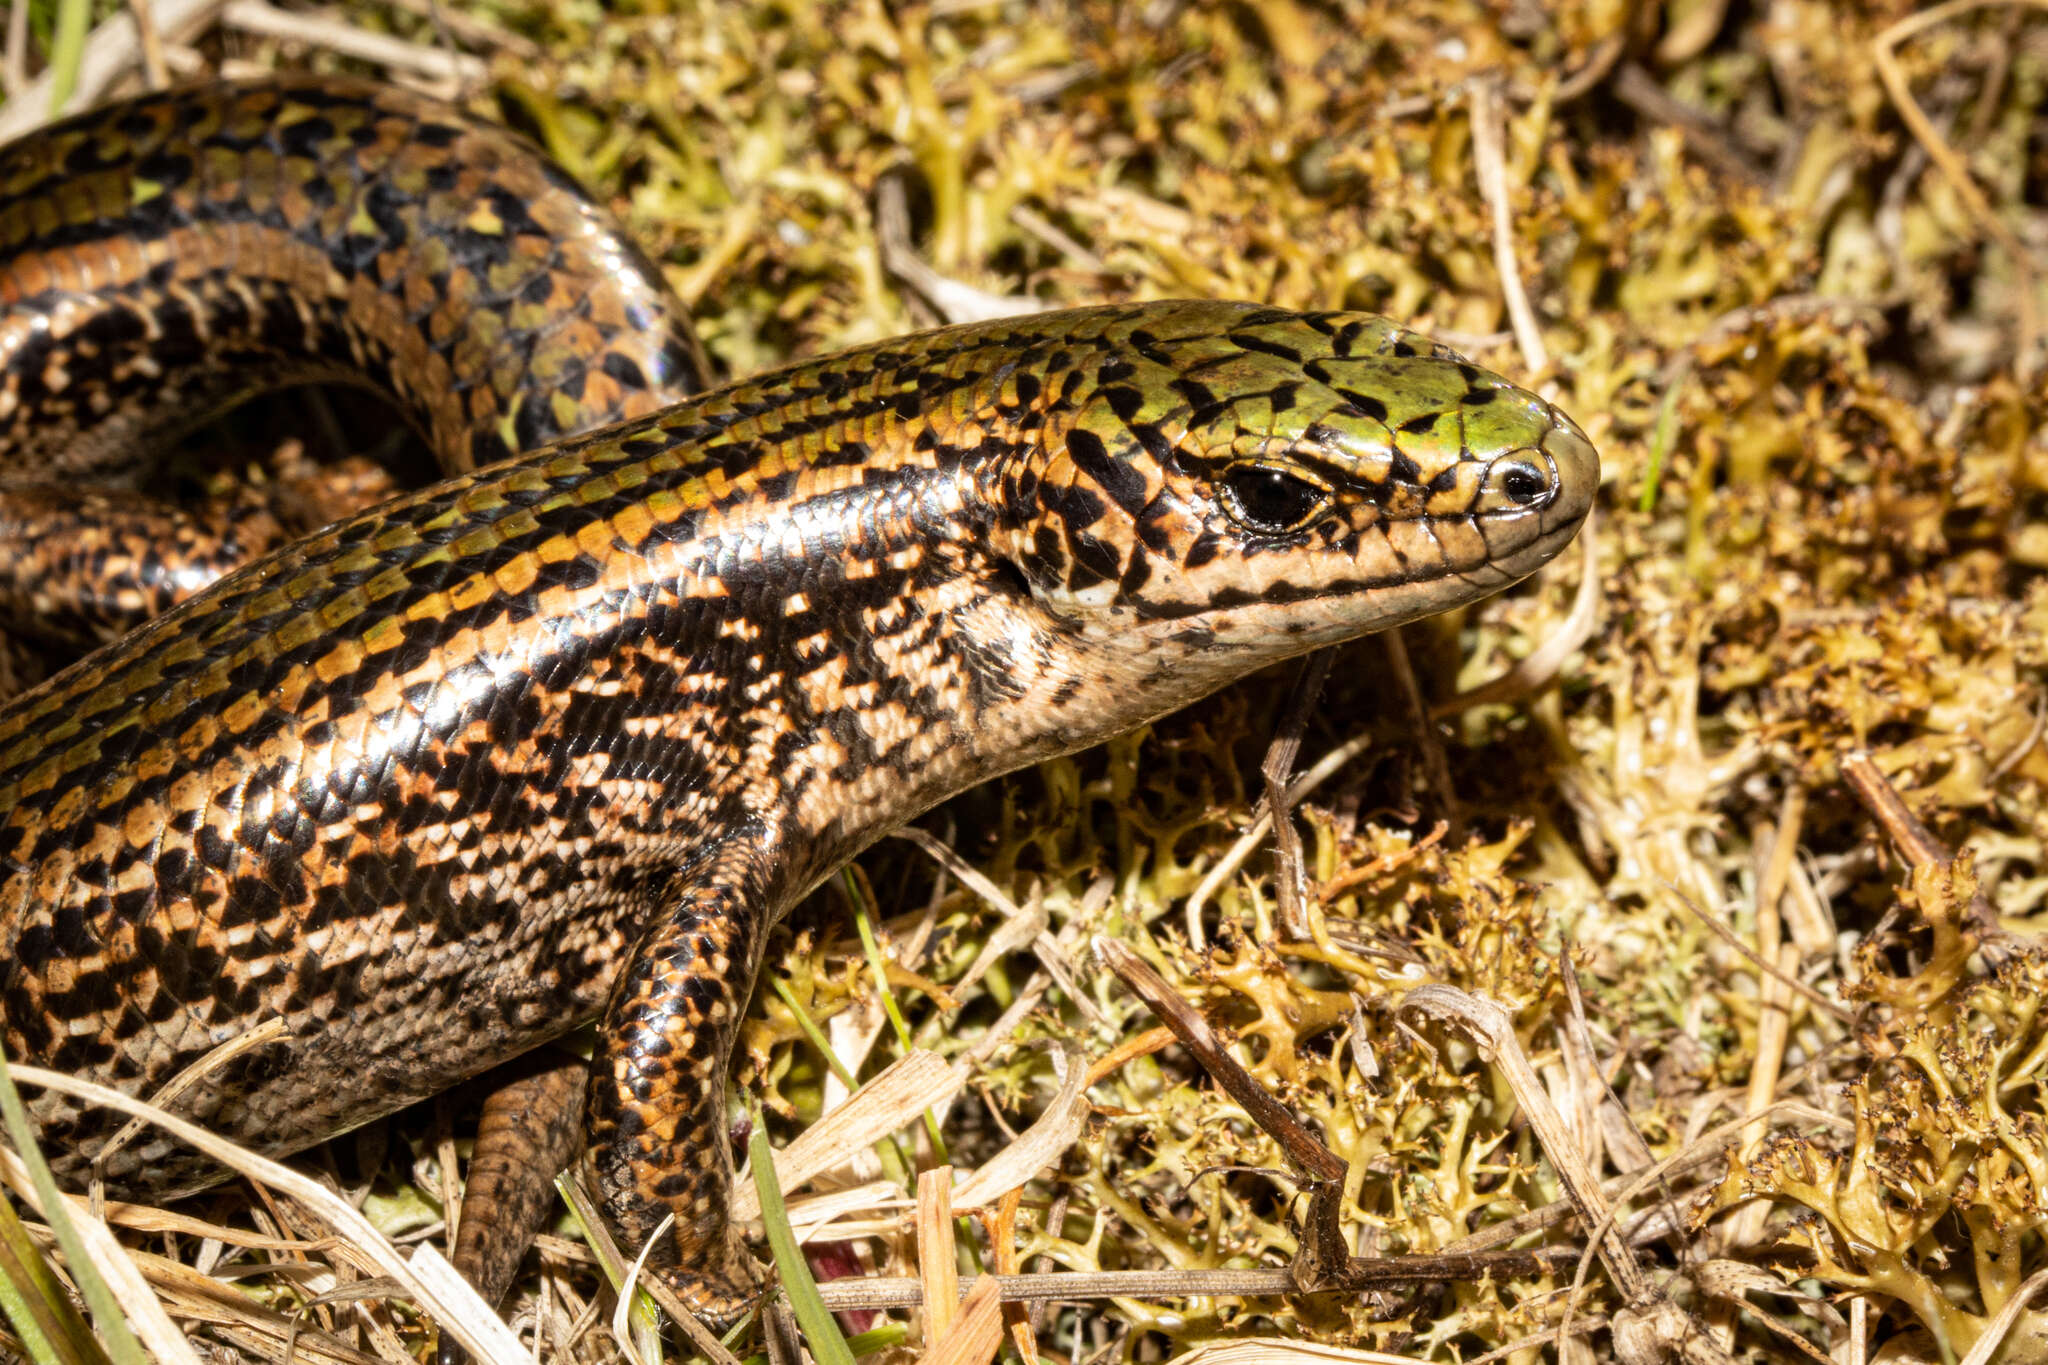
x=471 y=29
x=1914 y=841
x=14 y=69
x=1757 y=960
x=904 y=1291
x=953 y=300
x=1226 y=867
x=1995 y=78
x=1045 y=230
x=1708 y=1148
x=1650 y=1326
x=1422 y=728
x=1301 y=1146
x=1290 y=876
x=1995 y=1330
x=1490 y=161
x=154 y=71
x=260 y=17
x=1488 y=1023
x=1345 y=881
x=1324 y=1263
x=1588 y=1324
x=1598 y=63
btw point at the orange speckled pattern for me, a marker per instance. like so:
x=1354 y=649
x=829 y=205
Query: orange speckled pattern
x=560 y=738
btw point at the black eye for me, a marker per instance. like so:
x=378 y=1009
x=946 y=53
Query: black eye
x=1268 y=500
x=1523 y=484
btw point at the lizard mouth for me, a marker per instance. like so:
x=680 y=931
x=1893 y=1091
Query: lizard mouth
x=1566 y=461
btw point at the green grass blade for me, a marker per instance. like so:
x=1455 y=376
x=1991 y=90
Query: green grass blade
x=645 y=1315
x=821 y=1332
x=1662 y=435
x=815 y=1034
x=49 y=1327
x=879 y=1338
x=120 y=1340
x=67 y=50
x=880 y=967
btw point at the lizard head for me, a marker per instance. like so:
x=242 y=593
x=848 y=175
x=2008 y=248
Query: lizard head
x=1248 y=484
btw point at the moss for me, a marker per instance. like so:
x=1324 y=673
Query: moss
x=1799 y=350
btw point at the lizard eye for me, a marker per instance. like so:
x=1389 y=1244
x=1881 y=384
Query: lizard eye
x=1523 y=484
x=1269 y=501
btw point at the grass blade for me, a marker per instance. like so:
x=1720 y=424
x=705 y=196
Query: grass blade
x=120 y=1341
x=821 y=1332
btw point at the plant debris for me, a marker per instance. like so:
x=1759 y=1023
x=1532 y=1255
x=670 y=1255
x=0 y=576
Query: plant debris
x=1788 y=266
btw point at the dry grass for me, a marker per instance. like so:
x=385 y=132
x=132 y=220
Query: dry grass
x=1786 y=265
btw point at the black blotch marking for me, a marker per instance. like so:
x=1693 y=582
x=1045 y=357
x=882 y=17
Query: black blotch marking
x=33 y=951
x=1147 y=345
x=1124 y=485
x=436 y=134
x=1124 y=401
x=1263 y=345
x=1074 y=505
x=624 y=369
x=140 y=124
x=304 y=137
x=1367 y=405
x=168 y=169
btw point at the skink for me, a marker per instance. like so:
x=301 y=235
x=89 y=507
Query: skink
x=559 y=738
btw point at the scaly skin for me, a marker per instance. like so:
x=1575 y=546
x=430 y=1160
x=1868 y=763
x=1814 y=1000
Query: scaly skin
x=561 y=738
x=165 y=257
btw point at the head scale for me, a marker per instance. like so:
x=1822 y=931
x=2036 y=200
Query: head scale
x=1254 y=483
